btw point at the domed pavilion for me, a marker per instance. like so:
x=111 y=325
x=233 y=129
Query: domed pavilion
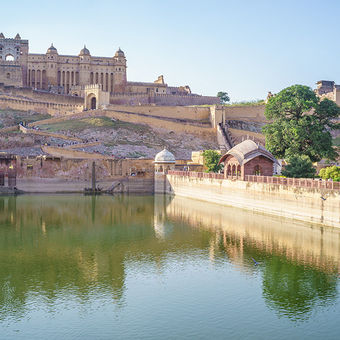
x=164 y=161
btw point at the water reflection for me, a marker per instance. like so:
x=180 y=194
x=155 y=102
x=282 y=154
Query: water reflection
x=53 y=246
x=299 y=263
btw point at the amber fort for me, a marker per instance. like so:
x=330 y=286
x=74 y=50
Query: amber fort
x=70 y=75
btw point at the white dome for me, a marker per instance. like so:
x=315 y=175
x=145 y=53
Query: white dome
x=165 y=156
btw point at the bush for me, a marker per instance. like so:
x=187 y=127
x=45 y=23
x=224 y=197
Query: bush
x=299 y=167
x=211 y=159
x=331 y=172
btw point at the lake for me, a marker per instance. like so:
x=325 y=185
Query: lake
x=160 y=267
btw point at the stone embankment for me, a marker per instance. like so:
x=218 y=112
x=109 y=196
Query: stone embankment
x=316 y=204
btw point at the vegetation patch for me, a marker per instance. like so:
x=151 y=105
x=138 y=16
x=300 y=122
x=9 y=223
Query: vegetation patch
x=336 y=141
x=94 y=122
x=14 y=117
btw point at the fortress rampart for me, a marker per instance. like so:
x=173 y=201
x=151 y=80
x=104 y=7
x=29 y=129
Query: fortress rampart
x=41 y=107
x=175 y=112
x=162 y=99
x=39 y=95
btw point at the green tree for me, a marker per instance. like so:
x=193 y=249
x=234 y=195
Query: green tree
x=224 y=97
x=211 y=159
x=300 y=124
x=332 y=172
x=299 y=167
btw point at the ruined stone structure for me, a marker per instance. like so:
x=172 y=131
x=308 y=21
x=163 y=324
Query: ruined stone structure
x=328 y=89
x=7 y=169
x=67 y=74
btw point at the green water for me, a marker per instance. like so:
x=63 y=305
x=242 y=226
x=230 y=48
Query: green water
x=143 y=267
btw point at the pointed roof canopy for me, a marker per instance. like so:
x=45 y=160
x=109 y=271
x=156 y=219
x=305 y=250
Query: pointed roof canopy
x=246 y=151
x=2 y=36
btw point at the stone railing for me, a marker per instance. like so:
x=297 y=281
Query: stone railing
x=196 y=174
x=296 y=182
x=293 y=182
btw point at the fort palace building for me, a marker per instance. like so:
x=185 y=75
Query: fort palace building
x=67 y=74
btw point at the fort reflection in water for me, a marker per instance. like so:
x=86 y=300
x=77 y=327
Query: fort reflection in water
x=84 y=246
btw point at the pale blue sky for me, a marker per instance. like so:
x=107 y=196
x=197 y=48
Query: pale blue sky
x=243 y=47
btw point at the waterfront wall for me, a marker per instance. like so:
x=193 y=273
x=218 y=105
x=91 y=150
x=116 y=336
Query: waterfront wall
x=59 y=174
x=118 y=184
x=316 y=205
x=80 y=169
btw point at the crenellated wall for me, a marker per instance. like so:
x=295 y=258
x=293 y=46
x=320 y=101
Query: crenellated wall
x=162 y=99
x=41 y=107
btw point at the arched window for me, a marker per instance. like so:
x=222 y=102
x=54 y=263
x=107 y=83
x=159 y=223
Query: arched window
x=229 y=170
x=238 y=171
x=8 y=76
x=233 y=169
x=257 y=170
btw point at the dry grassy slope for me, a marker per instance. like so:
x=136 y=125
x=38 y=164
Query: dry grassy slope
x=10 y=117
x=126 y=139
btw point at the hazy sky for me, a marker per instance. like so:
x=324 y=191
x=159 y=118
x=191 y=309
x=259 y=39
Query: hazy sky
x=243 y=47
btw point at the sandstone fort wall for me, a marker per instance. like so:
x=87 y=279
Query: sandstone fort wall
x=41 y=107
x=177 y=112
x=162 y=99
x=41 y=96
x=246 y=112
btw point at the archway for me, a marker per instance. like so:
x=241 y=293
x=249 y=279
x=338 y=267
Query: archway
x=93 y=103
x=9 y=57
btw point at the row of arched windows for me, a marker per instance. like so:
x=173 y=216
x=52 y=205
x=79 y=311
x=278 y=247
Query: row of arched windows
x=235 y=170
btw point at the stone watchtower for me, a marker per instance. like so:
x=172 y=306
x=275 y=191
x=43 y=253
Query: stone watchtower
x=13 y=60
x=120 y=71
x=50 y=75
x=164 y=161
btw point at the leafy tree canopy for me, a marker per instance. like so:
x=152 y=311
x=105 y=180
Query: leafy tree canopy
x=301 y=124
x=211 y=159
x=299 y=167
x=331 y=172
x=224 y=97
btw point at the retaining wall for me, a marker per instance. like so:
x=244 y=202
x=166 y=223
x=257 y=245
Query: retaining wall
x=202 y=131
x=314 y=205
x=177 y=112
